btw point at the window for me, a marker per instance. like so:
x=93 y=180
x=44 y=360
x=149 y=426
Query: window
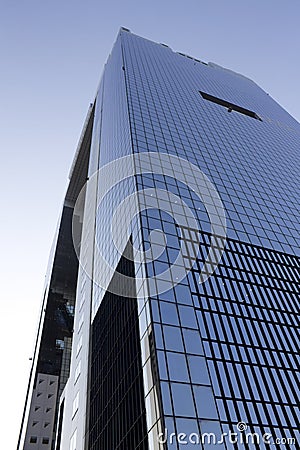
x=75 y=404
x=80 y=324
x=79 y=345
x=73 y=441
x=45 y=440
x=230 y=106
x=33 y=440
x=187 y=317
x=206 y=408
x=60 y=344
x=177 y=367
x=198 y=370
x=183 y=400
x=77 y=371
x=165 y=391
x=211 y=426
x=173 y=339
x=169 y=313
x=193 y=342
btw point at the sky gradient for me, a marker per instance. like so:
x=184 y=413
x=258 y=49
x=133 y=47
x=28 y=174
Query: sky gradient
x=52 y=55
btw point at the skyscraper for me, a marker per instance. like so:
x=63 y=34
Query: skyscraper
x=184 y=205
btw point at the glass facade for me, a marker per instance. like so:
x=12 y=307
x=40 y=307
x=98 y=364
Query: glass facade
x=227 y=350
x=159 y=359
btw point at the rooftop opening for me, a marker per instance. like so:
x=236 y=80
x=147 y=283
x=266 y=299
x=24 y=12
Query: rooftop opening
x=230 y=106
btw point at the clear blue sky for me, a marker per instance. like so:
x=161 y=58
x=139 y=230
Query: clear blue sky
x=52 y=54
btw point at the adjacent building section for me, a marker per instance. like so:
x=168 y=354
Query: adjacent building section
x=52 y=354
